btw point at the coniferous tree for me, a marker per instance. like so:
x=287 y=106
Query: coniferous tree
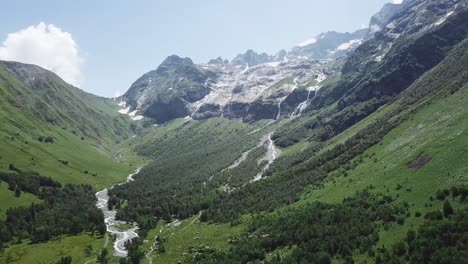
x=448 y=210
x=102 y=257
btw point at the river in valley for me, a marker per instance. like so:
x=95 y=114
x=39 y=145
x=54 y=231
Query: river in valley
x=114 y=226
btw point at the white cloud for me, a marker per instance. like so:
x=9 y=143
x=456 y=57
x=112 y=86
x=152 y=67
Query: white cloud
x=397 y=1
x=47 y=46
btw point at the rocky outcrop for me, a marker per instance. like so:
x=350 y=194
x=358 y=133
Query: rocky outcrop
x=163 y=112
x=234 y=110
x=261 y=109
x=207 y=111
x=381 y=19
x=293 y=100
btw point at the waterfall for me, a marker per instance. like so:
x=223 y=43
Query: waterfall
x=302 y=106
x=280 y=101
x=271 y=155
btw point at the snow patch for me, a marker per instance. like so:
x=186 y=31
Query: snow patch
x=133 y=113
x=124 y=111
x=273 y=64
x=350 y=44
x=321 y=77
x=374 y=28
x=442 y=19
x=307 y=42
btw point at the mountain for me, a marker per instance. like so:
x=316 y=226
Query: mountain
x=357 y=153
x=329 y=45
x=30 y=90
x=250 y=58
x=229 y=90
x=336 y=44
x=167 y=92
x=381 y=19
x=251 y=87
x=354 y=158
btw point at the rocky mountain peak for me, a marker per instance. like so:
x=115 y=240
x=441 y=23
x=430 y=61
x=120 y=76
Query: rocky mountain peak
x=379 y=20
x=251 y=58
x=218 y=60
x=173 y=62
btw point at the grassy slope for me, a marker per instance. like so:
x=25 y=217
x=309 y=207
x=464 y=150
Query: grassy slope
x=186 y=234
x=82 y=155
x=24 y=118
x=9 y=199
x=439 y=130
x=50 y=252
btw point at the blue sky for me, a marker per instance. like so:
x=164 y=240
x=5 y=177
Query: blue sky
x=112 y=43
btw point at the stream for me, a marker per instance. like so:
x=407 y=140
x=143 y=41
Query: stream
x=122 y=235
x=271 y=155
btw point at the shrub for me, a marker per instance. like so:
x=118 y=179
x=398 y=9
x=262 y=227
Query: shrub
x=399 y=248
x=49 y=139
x=400 y=220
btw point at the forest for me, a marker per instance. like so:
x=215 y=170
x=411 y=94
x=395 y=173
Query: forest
x=64 y=210
x=318 y=233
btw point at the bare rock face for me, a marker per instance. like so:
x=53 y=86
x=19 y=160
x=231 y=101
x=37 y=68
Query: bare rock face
x=207 y=111
x=330 y=45
x=166 y=111
x=167 y=92
x=258 y=110
x=294 y=99
x=235 y=110
x=250 y=58
x=179 y=88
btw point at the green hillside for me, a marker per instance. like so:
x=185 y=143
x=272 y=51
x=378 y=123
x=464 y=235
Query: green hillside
x=84 y=128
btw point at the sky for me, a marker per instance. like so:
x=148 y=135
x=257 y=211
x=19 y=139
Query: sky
x=104 y=46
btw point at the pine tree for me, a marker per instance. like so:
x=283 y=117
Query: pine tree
x=17 y=191
x=102 y=257
x=448 y=210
